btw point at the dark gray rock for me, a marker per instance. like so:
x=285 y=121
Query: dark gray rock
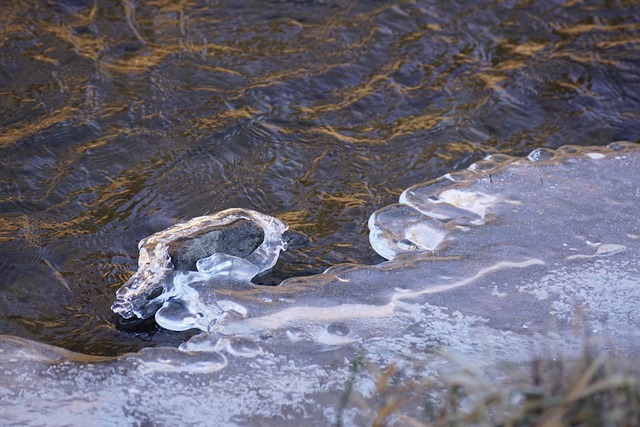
x=239 y=238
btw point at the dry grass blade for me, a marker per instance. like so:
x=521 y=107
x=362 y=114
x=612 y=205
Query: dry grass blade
x=555 y=393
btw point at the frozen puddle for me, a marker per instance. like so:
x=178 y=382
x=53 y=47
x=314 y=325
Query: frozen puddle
x=501 y=262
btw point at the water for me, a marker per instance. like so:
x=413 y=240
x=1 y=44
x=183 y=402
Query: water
x=120 y=119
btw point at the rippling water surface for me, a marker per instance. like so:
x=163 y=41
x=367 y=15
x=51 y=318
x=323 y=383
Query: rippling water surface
x=120 y=118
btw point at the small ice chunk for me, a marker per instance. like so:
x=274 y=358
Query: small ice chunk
x=399 y=229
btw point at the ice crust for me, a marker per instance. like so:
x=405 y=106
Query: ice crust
x=500 y=262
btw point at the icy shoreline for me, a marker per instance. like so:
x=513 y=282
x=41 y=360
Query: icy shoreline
x=546 y=245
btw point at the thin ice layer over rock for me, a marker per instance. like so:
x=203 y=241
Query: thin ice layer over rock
x=228 y=249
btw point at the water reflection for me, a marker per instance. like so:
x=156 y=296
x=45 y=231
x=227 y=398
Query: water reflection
x=121 y=118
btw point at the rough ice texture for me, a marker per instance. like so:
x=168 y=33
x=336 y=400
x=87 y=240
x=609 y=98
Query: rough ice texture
x=227 y=249
x=498 y=262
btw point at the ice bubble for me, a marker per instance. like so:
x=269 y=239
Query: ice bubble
x=324 y=336
x=491 y=163
x=542 y=154
x=339 y=329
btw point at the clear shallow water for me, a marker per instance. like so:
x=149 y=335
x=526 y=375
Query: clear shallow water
x=121 y=118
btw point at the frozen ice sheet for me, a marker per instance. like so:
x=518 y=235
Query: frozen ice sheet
x=524 y=250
